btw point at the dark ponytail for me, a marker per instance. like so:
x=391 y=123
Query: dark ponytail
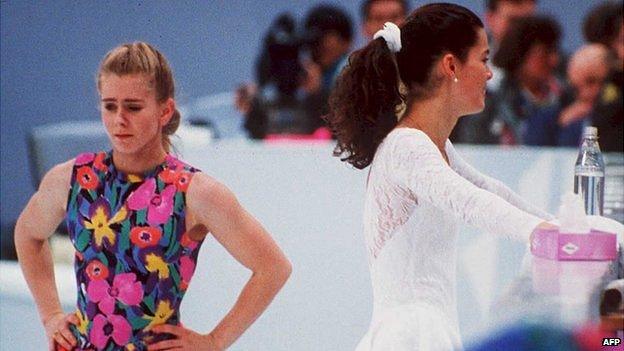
x=364 y=102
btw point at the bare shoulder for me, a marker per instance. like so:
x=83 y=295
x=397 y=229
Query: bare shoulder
x=56 y=183
x=46 y=208
x=205 y=190
x=58 y=176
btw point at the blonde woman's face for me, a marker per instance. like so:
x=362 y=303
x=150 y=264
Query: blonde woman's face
x=130 y=113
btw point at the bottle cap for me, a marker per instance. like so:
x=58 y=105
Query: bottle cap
x=590 y=131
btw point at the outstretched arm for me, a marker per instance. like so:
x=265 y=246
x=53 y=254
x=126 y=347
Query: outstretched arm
x=35 y=225
x=493 y=185
x=419 y=167
x=215 y=207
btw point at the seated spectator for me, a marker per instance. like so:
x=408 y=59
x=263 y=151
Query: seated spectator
x=604 y=25
x=587 y=71
x=292 y=92
x=377 y=12
x=524 y=108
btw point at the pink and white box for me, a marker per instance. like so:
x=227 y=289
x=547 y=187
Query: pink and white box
x=593 y=246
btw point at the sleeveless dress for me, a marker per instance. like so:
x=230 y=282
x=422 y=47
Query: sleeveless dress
x=413 y=202
x=133 y=259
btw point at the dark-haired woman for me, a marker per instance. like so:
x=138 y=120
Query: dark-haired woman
x=418 y=186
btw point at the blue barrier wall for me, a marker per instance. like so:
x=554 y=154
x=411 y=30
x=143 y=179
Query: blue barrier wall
x=50 y=52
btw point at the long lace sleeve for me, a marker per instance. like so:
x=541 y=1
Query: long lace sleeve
x=492 y=185
x=417 y=165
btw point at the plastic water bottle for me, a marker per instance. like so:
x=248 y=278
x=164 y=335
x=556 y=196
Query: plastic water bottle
x=589 y=173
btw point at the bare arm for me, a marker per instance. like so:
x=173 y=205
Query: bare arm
x=35 y=225
x=215 y=207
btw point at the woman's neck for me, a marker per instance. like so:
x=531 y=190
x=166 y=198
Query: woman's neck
x=434 y=117
x=141 y=161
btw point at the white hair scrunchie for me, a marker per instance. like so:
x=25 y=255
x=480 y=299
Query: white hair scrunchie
x=392 y=35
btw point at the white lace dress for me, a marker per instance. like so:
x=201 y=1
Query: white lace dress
x=413 y=202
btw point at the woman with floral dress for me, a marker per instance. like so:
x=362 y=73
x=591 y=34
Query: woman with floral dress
x=137 y=217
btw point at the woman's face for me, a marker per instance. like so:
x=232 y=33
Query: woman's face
x=472 y=76
x=132 y=116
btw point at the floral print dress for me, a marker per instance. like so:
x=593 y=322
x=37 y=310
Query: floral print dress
x=134 y=259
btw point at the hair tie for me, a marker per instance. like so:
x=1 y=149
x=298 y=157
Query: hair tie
x=392 y=35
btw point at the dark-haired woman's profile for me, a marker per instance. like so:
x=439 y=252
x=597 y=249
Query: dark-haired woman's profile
x=433 y=70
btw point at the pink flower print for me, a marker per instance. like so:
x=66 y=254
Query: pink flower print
x=159 y=206
x=187 y=267
x=125 y=289
x=84 y=158
x=174 y=163
x=106 y=327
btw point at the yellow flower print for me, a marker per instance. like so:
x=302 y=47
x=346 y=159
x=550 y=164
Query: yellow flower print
x=133 y=178
x=83 y=322
x=156 y=264
x=120 y=215
x=99 y=212
x=163 y=313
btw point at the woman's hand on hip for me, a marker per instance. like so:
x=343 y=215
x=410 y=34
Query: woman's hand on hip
x=58 y=332
x=186 y=340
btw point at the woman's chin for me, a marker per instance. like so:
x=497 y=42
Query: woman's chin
x=476 y=109
x=123 y=149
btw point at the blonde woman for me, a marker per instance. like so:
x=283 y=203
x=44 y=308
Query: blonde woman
x=137 y=217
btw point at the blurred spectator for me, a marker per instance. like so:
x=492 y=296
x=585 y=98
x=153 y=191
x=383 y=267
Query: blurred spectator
x=498 y=15
x=524 y=108
x=329 y=53
x=587 y=71
x=604 y=25
x=295 y=73
x=524 y=336
x=377 y=12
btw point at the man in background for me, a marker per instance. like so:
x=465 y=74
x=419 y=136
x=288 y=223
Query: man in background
x=498 y=16
x=587 y=70
x=295 y=74
x=604 y=24
x=377 y=12
x=332 y=29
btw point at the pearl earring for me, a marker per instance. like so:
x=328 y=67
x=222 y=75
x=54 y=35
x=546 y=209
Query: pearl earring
x=455 y=79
